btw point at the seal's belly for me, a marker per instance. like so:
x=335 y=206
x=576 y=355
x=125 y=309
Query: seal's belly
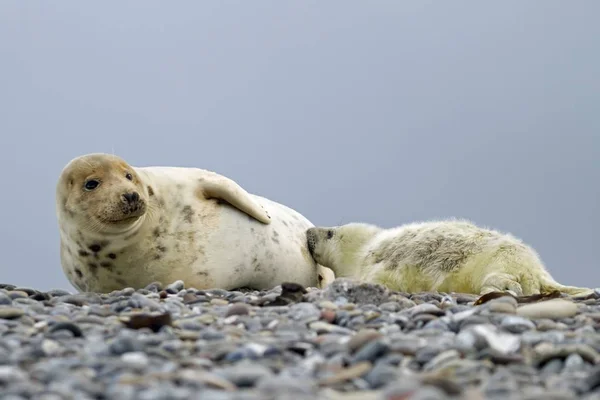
x=225 y=248
x=244 y=252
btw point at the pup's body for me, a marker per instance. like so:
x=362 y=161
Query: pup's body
x=444 y=256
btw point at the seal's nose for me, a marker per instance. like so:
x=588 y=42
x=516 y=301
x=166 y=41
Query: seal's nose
x=131 y=198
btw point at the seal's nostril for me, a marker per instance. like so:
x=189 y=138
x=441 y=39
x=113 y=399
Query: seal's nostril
x=131 y=197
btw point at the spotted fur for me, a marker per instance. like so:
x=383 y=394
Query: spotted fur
x=183 y=223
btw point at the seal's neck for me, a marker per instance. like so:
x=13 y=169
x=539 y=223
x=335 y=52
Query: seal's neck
x=349 y=255
x=114 y=239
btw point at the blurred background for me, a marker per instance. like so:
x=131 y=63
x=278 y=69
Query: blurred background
x=384 y=112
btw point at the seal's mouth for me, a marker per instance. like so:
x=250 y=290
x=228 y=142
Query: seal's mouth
x=128 y=218
x=129 y=214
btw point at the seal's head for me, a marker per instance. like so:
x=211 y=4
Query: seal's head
x=335 y=247
x=102 y=193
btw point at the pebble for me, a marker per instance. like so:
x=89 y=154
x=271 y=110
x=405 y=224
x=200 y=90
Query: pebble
x=5 y=300
x=370 y=352
x=328 y=315
x=516 y=324
x=175 y=287
x=440 y=360
x=50 y=347
x=305 y=312
x=553 y=309
x=7 y=312
x=345 y=374
x=18 y=294
x=211 y=380
x=426 y=308
x=501 y=342
x=574 y=362
x=498 y=306
x=219 y=302
x=245 y=374
x=347 y=341
x=360 y=338
x=135 y=359
x=10 y=374
x=328 y=305
x=238 y=309
x=325 y=327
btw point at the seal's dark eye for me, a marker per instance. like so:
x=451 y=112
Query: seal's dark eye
x=91 y=184
x=129 y=176
x=329 y=234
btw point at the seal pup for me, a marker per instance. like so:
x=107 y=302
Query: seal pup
x=446 y=256
x=124 y=226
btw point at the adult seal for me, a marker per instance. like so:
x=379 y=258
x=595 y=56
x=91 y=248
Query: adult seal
x=446 y=256
x=124 y=226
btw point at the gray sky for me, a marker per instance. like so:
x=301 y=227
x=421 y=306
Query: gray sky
x=383 y=111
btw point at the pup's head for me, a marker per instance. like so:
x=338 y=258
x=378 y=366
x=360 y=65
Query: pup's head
x=336 y=247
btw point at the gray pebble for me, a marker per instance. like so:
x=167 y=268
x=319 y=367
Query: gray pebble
x=306 y=312
x=425 y=308
x=245 y=374
x=78 y=299
x=517 y=324
x=5 y=300
x=553 y=366
x=574 y=362
x=441 y=359
x=370 y=352
x=125 y=344
x=428 y=393
x=359 y=340
x=381 y=375
x=238 y=309
x=10 y=374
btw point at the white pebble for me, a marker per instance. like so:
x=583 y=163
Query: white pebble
x=504 y=343
x=50 y=347
x=553 y=309
x=136 y=359
x=574 y=362
x=9 y=373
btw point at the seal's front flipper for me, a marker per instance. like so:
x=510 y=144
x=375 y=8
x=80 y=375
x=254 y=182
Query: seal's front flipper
x=219 y=187
x=501 y=282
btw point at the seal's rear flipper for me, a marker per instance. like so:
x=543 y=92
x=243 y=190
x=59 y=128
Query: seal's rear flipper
x=550 y=284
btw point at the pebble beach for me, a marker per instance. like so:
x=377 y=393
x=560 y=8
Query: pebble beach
x=347 y=341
